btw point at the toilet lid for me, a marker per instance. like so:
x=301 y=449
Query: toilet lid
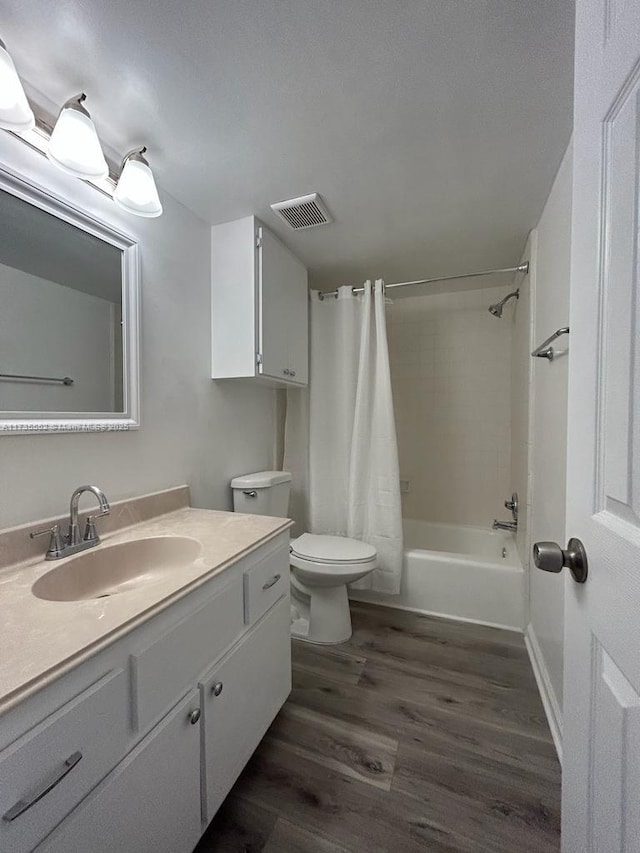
x=332 y=549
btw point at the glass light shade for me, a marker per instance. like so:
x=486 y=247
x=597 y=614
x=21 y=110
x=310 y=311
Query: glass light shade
x=136 y=190
x=74 y=145
x=15 y=112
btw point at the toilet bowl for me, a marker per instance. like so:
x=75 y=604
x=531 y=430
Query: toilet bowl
x=320 y=566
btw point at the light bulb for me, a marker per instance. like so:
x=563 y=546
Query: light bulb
x=136 y=190
x=15 y=112
x=74 y=145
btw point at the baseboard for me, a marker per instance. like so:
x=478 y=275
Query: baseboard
x=549 y=701
x=421 y=612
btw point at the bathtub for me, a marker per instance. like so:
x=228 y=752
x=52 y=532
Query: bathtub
x=459 y=572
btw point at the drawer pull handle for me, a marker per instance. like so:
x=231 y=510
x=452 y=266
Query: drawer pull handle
x=194 y=716
x=22 y=805
x=250 y=493
x=217 y=688
x=272 y=582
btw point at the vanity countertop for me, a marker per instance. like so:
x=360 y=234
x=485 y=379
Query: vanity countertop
x=40 y=640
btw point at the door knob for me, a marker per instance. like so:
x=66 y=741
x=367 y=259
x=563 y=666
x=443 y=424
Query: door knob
x=550 y=557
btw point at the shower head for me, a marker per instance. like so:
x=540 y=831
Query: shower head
x=496 y=308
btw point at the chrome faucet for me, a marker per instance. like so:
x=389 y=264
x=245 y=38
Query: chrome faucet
x=509 y=525
x=63 y=546
x=505 y=525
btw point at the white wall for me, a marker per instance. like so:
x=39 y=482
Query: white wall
x=193 y=430
x=50 y=330
x=450 y=364
x=549 y=430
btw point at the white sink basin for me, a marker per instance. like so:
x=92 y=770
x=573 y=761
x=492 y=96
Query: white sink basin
x=112 y=569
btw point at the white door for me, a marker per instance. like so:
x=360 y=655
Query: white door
x=601 y=726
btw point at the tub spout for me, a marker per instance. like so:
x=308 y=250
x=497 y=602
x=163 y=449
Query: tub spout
x=505 y=525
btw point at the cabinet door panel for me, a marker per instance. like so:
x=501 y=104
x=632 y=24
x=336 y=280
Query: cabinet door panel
x=151 y=801
x=255 y=679
x=168 y=666
x=48 y=771
x=299 y=326
x=279 y=275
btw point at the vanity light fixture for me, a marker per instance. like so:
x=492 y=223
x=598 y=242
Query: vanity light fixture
x=74 y=145
x=15 y=112
x=136 y=190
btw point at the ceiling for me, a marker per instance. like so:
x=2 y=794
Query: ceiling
x=432 y=129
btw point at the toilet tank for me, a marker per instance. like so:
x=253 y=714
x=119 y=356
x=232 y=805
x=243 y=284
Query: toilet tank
x=263 y=493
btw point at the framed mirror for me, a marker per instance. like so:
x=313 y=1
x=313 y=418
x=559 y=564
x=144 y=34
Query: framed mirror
x=69 y=293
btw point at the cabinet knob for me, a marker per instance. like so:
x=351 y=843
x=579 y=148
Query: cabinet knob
x=217 y=688
x=292 y=373
x=194 y=716
x=286 y=371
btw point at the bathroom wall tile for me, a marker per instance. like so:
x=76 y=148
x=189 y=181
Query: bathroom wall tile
x=451 y=368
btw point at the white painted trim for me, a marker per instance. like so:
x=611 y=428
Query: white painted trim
x=448 y=616
x=547 y=694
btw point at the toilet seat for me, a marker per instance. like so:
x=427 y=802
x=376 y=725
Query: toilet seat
x=332 y=550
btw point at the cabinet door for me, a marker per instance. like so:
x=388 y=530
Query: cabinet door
x=151 y=801
x=283 y=301
x=299 y=327
x=274 y=272
x=240 y=698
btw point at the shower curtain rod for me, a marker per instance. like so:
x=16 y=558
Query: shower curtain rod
x=524 y=268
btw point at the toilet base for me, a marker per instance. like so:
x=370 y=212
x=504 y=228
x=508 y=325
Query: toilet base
x=325 y=619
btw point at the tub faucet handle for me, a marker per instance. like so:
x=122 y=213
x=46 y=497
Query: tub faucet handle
x=513 y=505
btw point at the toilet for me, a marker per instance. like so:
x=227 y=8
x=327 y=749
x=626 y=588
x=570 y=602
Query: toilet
x=320 y=566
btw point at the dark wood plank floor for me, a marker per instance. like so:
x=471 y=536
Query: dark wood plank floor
x=419 y=734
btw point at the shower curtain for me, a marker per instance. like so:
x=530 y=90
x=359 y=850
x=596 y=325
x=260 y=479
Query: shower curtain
x=340 y=437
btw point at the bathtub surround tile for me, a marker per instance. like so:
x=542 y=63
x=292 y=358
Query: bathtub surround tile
x=450 y=364
x=478 y=774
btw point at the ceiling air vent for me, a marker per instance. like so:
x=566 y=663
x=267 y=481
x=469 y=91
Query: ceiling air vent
x=308 y=211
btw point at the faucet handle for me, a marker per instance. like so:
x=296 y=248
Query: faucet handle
x=90 y=531
x=56 y=543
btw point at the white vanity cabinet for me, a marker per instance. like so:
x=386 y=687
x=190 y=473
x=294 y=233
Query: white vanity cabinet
x=259 y=306
x=240 y=697
x=135 y=749
x=151 y=802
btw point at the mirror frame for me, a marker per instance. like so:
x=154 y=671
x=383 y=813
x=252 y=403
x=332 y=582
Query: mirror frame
x=33 y=423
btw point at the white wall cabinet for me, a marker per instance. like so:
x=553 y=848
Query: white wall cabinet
x=259 y=306
x=135 y=749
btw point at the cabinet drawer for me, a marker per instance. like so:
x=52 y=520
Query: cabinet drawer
x=151 y=801
x=168 y=667
x=265 y=583
x=240 y=698
x=46 y=773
